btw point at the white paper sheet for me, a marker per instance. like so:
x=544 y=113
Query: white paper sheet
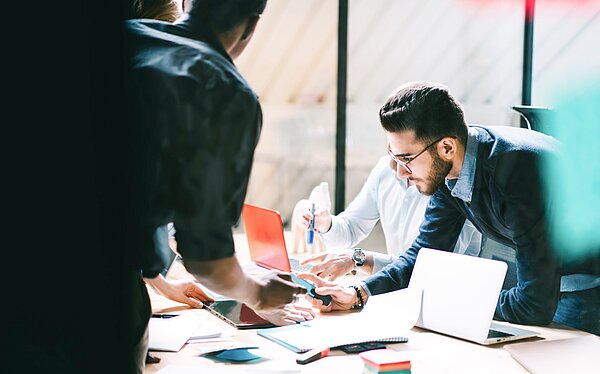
x=576 y=355
x=385 y=316
x=275 y=368
x=170 y=334
x=205 y=331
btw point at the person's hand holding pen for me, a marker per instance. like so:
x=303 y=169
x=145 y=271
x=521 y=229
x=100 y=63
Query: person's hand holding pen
x=310 y=232
x=322 y=217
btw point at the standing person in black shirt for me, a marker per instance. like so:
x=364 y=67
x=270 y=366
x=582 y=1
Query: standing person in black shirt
x=194 y=124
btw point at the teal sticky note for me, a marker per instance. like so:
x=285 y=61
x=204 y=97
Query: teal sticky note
x=236 y=355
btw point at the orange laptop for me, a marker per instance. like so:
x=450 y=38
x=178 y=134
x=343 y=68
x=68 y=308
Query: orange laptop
x=266 y=243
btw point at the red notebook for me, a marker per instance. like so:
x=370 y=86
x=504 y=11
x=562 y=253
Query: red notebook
x=383 y=360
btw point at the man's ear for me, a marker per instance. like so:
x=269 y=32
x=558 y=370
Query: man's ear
x=448 y=147
x=250 y=27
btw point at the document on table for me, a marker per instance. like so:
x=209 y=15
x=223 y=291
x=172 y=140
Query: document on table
x=230 y=369
x=170 y=334
x=205 y=332
x=384 y=317
x=579 y=355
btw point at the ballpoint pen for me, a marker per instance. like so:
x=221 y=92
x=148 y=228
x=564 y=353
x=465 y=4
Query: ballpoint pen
x=310 y=233
x=163 y=315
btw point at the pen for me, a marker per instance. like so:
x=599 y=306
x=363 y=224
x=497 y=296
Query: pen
x=163 y=315
x=310 y=233
x=312 y=355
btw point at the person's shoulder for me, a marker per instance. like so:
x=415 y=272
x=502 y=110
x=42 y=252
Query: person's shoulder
x=504 y=141
x=512 y=155
x=385 y=176
x=383 y=163
x=144 y=27
x=195 y=63
x=212 y=70
x=382 y=169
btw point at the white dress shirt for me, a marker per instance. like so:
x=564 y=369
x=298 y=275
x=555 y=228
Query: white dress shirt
x=399 y=207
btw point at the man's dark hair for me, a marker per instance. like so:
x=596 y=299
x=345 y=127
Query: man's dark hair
x=224 y=15
x=427 y=108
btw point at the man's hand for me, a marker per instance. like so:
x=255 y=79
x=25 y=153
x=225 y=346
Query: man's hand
x=274 y=290
x=330 y=265
x=289 y=315
x=267 y=291
x=343 y=297
x=322 y=216
x=186 y=291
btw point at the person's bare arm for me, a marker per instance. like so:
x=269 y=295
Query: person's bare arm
x=226 y=277
x=332 y=265
x=185 y=291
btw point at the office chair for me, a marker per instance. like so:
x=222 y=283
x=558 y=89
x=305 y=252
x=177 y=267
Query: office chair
x=537 y=118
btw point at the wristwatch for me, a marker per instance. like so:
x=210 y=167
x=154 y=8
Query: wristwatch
x=359 y=257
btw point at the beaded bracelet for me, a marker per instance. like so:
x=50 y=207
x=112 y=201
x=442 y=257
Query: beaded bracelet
x=361 y=302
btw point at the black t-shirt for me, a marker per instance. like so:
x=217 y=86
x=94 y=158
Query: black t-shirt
x=195 y=123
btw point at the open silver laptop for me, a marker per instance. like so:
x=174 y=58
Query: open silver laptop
x=460 y=294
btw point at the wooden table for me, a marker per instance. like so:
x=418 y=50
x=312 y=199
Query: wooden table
x=429 y=352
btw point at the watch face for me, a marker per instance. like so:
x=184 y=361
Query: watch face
x=359 y=257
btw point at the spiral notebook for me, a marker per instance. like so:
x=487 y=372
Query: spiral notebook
x=386 y=324
x=273 y=333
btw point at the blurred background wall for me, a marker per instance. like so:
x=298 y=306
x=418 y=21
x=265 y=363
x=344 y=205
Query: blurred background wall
x=475 y=47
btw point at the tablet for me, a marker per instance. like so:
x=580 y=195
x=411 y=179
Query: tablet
x=236 y=314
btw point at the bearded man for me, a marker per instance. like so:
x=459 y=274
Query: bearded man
x=490 y=176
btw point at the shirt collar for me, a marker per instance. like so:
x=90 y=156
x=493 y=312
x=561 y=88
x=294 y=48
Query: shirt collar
x=200 y=32
x=462 y=187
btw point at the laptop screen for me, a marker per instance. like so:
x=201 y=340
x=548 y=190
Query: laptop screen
x=460 y=292
x=266 y=242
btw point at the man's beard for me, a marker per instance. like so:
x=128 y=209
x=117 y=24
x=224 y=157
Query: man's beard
x=437 y=176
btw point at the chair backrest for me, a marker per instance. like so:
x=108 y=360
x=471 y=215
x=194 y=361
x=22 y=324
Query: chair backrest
x=538 y=118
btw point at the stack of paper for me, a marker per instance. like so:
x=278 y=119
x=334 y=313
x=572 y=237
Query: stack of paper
x=170 y=334
x=205 y=332
x=385 y=361
x=229 y=369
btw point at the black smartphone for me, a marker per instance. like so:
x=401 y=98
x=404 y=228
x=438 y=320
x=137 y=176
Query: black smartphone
x=361 y=347
x=310 y=290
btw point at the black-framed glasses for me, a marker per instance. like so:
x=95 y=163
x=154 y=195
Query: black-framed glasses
x=408 y=160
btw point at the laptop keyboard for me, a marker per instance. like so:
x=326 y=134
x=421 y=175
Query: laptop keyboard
x=295 y=265
x=498 y=334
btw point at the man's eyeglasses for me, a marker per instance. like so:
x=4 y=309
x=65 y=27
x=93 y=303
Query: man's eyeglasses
x=407 y=159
